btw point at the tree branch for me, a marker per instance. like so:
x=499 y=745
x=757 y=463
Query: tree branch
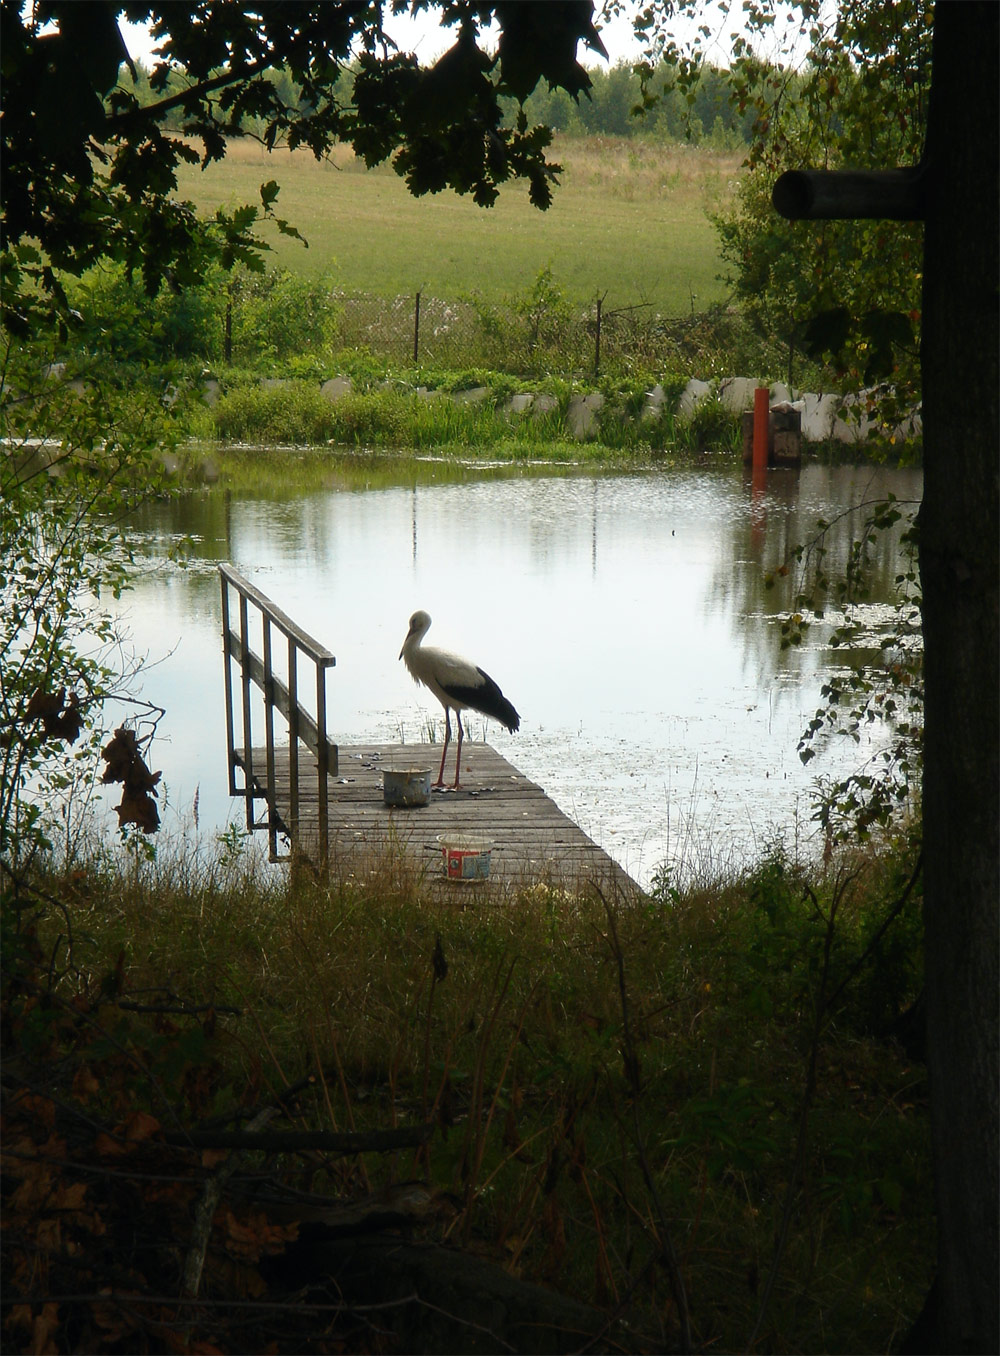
x=155 y=112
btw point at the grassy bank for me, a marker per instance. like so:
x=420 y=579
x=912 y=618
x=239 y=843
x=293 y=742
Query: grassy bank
x=714 y=1068
x=474 y=421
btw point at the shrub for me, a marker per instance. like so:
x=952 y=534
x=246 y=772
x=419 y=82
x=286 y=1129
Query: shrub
x=373 y=418
x=712 y=428
x=279 y=316
x=119 y=321
x=294 y=412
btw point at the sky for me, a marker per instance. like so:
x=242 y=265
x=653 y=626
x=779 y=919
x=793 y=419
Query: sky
x=427 y=39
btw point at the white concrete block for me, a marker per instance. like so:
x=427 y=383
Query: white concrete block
x=736 y=394
x=693 y=395
x=336 y=387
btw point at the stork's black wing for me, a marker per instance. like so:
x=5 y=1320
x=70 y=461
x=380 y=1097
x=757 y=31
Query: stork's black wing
x=487 y=699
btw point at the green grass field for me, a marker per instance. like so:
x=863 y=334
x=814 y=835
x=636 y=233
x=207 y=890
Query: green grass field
x=629 y=220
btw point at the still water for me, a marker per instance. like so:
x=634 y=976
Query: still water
x=624 y=615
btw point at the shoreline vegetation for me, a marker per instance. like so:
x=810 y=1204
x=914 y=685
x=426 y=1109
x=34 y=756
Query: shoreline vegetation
x=204 y=423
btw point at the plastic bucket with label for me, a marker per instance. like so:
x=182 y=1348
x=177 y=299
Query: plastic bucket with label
x=466 y=857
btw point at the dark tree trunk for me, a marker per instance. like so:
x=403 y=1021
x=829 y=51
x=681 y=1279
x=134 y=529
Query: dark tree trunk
x=959 y=570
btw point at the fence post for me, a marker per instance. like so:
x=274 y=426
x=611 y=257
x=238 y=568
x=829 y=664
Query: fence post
x=227 y=336
x=416 y=331
x=597 y=338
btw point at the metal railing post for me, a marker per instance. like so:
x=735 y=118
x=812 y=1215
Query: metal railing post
x=293 y=740
x=323 y=766
x=245 y=690
x=272 y=816
x=259 y=670
x=227 y=662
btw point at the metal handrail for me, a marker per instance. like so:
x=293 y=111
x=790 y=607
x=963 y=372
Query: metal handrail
x=254 y=668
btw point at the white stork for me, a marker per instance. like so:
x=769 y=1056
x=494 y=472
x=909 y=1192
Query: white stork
x=456 y=683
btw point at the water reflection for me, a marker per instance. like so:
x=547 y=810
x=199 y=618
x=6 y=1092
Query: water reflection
x=625 y=615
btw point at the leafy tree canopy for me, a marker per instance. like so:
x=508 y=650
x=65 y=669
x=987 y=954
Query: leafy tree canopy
x=90 y=171
x=842 y=87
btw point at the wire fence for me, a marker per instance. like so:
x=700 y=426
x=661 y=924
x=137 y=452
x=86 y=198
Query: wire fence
x=521 y=338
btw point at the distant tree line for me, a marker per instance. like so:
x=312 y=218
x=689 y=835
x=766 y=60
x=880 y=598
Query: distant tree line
x=707 y=112
x=710 y=113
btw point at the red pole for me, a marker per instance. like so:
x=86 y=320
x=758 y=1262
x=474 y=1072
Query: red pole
x=761 y=417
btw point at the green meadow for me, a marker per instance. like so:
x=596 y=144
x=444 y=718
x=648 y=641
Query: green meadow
x=629 y=222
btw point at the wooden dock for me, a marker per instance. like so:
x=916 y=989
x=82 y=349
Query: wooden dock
x=532 y=841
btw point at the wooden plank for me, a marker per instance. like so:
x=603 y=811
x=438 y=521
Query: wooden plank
x=532 y=840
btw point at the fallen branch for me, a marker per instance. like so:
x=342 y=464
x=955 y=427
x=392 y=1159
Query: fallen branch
x=401 y=1203
x=176 y=1009
x=204 y=1214
x=306 y=1141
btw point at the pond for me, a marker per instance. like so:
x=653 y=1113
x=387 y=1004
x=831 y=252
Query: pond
x=625 y=615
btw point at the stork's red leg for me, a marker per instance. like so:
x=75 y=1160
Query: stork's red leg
x=458 y=755
x=447 y=741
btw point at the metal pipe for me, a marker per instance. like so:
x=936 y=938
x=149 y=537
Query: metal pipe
x=761 y=426
x=322 y=769
x=272 y=812
x=245 y=690
x=833 y=195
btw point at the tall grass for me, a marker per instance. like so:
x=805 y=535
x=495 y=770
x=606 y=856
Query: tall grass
x=502 y=1018
x=393 y=416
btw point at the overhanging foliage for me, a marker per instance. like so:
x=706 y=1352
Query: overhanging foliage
x=90 y=172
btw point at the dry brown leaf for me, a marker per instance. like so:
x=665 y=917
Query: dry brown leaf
x=20 y=1316
x=110 y=1147
x=139 y=1126
x=48 y=1235
x=42 y=1109
x=85 y=1085
x=256 y=1236
x=69 y=1197
x=34 y=1191
x=112 y=1321
x=43 y=1329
